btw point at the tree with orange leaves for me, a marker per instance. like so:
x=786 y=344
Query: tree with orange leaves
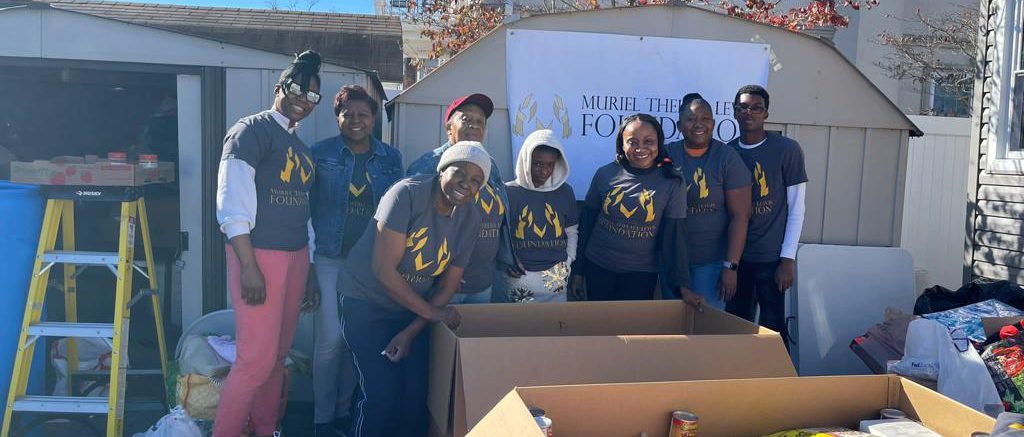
x=452 y=25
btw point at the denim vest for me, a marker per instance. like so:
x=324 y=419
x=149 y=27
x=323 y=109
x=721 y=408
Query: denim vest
x=329 y=194
x=427 y=164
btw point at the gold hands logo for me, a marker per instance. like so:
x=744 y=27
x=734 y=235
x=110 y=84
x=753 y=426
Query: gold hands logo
x=358 y=191
x=416 y=241
x=645 y=200
x=495 y=200
x=526 y=222
x=527 y=112
x=701 y=180
x=552 y=216
x=293 y=162
x=761 y=179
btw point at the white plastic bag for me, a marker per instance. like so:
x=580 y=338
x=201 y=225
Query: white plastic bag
x=962 y=375
x=199 y=358
x=174 y=424
x=93 y=355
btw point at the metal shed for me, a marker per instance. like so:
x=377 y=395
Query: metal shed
x=213 y=83
x=855 y=140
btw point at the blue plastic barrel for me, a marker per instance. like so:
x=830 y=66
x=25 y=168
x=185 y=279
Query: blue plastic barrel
x=21 y=217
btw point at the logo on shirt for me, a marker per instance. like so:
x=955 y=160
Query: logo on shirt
x=293 y=162
x=761 y=179
x=488 y=199
x=644 y=201
x=358 y=191
x=701 y=180
x=416 y=241
x=527 y=112
x=526 y=222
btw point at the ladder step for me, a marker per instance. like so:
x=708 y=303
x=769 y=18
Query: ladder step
x=61 y=404
x=86 y=374
x=82 y=258
x=65 y=329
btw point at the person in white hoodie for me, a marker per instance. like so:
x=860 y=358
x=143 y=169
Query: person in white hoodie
x=544 y=220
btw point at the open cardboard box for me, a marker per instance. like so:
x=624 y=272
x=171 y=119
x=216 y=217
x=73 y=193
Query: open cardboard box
x=502 y=346
x=731 y=408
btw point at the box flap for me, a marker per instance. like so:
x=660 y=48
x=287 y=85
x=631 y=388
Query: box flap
x=751 y=407
x=500 y=364
x=443 y=351
x=712 y=321
x=992 y=325
x=573 y=318
x=510 y=417
x=934 y=410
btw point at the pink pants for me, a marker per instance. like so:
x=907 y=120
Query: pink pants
x=264 y=335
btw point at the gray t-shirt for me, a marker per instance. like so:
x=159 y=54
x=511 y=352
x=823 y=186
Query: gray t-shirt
x=539 y=219
x=360 y=203
x=631 y=208
x=480 y=271
x=284 y=174
x=707 y=178
x=434 y=242
x=776 y=164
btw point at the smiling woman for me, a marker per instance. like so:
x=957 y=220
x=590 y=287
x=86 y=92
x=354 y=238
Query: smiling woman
x=634 y=226
x=402 y=274
x=354 y=170
x=265 y=163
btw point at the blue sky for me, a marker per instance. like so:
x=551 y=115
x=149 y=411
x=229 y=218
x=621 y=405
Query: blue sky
x=346 y=6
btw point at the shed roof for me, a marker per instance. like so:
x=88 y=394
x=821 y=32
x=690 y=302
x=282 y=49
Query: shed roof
x=820 y=86
x=367 y=42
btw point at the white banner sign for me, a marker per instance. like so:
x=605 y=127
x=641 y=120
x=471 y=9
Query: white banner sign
x=582 y=84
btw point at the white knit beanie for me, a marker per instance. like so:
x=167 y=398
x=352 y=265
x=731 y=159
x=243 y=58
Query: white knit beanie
x=467 y=151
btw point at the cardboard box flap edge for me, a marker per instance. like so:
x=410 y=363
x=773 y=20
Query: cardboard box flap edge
x=770 y=404
x=511 y=417
x=586 y=360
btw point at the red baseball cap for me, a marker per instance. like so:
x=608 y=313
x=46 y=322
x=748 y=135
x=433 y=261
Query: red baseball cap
x=477 y=99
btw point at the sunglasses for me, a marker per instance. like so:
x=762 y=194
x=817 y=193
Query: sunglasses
x=295 y=90
x=748 y=109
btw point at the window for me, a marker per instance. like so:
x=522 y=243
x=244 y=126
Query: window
x=1006 y=132
x=952 y=98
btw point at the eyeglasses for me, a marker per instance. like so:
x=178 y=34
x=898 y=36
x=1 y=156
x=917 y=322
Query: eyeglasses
x=739 y=107
x=296 y=90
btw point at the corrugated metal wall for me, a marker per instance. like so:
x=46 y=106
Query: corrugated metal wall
x=937 y=186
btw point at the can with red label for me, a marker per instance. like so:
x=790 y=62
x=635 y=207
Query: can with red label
x=684 y=424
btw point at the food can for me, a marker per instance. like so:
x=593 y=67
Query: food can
x=542 y=421
x=117 y=157
x=891 y=413
x=684 y=424
x=148 y=161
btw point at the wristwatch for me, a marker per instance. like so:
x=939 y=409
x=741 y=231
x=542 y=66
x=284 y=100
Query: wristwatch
x=730 y=265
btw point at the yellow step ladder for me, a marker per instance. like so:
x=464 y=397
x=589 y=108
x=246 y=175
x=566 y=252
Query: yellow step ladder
x=60 y=216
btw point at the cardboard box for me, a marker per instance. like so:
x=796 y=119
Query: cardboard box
x=733 y=408
x=100 y=173
x=499 y=347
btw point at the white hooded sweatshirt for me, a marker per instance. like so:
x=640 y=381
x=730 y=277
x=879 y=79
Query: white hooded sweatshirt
x=558 y=177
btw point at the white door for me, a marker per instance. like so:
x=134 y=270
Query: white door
x=190 y=165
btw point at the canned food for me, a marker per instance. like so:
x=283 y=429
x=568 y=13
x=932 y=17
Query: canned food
x=542 y=421
x=148 y=161
x=891 y=413
x=684 y=424
x=117 y=157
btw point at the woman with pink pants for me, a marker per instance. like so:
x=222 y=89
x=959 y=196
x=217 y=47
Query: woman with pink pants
x=263 y=209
